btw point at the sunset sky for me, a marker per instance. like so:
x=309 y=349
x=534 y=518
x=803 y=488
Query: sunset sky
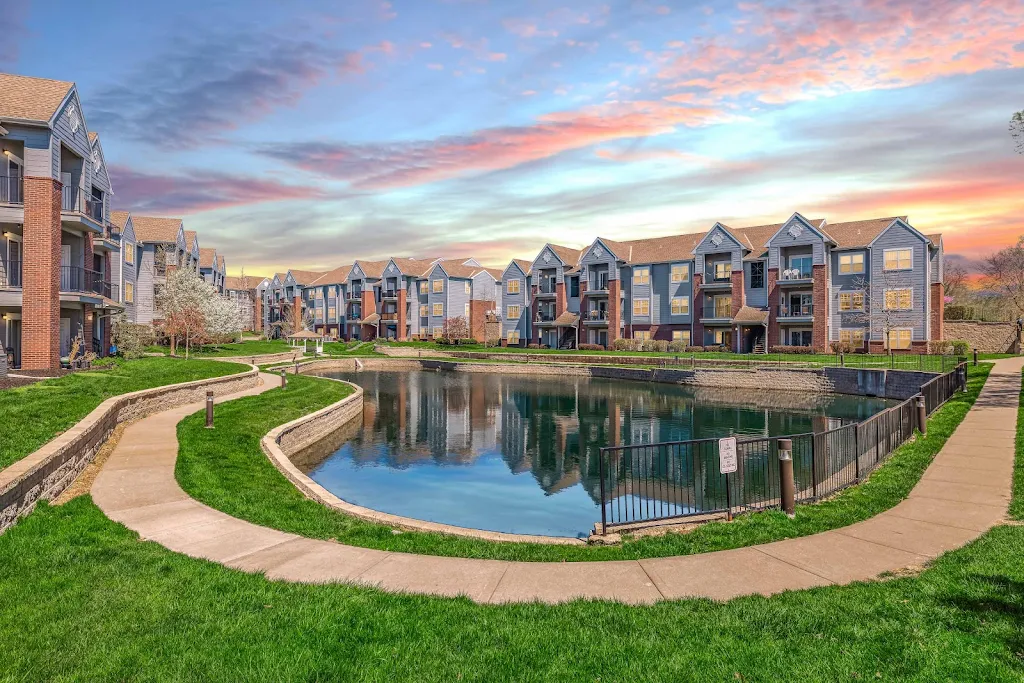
x=303 y=134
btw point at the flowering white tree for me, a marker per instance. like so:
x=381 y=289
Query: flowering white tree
x=192 y=308
x=223 y=318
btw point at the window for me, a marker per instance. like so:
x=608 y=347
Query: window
x=851 y=263
x=899 y=299
x=574 y=287
x=467 y=310
x=641 y=276
x=641 y=307
x=424 y=310
x=438 y=332
x=680 y=305
x=721 y=307
x=438 y=286
x=129 y=293
x=851 y=301
x=723 y=337
x=899 y=339
x=468 y=290
x=438 y=309
x=423 y=287
x=512 y=337
x=642 y=335
x=899 y=259
x=129 y=252
x=680 y=272
x=512 y=286
x=803 y=265
x=681 y=336
x=723 y=270
x=513 y=312
x=757 y=275
x=854 y=337
x=332 y=313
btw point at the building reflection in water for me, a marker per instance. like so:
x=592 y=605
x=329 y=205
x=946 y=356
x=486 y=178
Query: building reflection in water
x=433 y=430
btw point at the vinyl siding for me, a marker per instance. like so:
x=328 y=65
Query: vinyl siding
x=144 y=301
x=638 y=292
x=846 y=283
x=757 y=298
x=122 y=272
x=36 y=155
x=552 y=262
x=783 y=241
x=433 y=298
x=895 y=237
x=522 y=299
x=707 y=249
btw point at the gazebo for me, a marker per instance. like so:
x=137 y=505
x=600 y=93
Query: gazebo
x=305 y=336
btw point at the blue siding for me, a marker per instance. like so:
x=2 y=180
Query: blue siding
x=899 y=236
x=809 y=241
x=757 y=298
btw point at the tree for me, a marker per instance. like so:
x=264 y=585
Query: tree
x=183 y=291
x=1017 y=130
x=192 y=309
x=1003 y=276
x=492 y=329
x=189 y=323
x=131 y=339
x=455 y=329
x=223 y=318
x=882 y=310
x=954 y=280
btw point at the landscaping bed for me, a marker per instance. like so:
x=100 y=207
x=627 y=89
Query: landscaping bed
x=226 y=469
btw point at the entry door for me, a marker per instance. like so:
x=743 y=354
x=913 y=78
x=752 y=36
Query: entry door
x=65 y=336
x=14 y=343
x=66 y=277
x=10 y=190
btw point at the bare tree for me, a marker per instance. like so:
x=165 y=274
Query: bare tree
x=883 y=310
x=1003 y=275
x=455 y=329
x=1017 y=130
x=954 y=280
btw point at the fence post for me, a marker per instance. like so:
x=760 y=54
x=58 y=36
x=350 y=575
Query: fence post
x=600 y=474
x=856 y=449
x=814 y=465
x=922 y=415
x=209 y=408
x=728 y=499
x=787 y=487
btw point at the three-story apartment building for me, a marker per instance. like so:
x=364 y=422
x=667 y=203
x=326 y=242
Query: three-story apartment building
x=326 y=297
x=456 y=288
x=555 y=295
x=55 y=232
x=514 y=303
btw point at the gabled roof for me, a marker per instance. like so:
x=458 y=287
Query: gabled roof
x=306 y=277
x=373 y=269
x=411 y=266
x=233 y=282
x=220 y=264
x=860 y=233
x=206 y=257
x=31 y=99
x=119 y=218
x=655 y=249
x=568 y=255
x=335 y=277
x=191 y=239
x=155 y=229
x=457 y=267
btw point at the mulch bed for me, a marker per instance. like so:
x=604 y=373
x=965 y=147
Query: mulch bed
x=11 y=382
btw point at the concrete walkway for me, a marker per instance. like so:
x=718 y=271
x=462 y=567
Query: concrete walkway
x=965 y=491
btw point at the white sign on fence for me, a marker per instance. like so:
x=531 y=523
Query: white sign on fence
x=727 y=455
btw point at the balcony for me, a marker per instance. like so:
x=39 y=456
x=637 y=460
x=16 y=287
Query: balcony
x=10 y=274
x=389 y=317
x=721 y=314
x=546 y=288
x=354 y=295
x=795 y=276
x=796 y=313
x=354 y=317
x=713 y=280
x=597 y=316
x=76 y=280
x=79 y=211
x=597 y=287
x=12 y=190
x=545 y=318
x=389 y=294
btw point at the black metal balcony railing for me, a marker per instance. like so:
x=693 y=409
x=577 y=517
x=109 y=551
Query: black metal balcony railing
x=717 y=312
x=795 y=274
x=77 y=279
x=12 y=189
x=598 y=285
x=354 y=295
x=545 y=287
x=805 y=310
x=597 y=314
x=717 y=278
x=545 y=317
x=10 y=274
x=353 y=316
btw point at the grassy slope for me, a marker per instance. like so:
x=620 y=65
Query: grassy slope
x=1017 y=505
x=227 y=470
x=35 y=414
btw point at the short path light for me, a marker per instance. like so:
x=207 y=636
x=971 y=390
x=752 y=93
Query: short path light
x=787 y=486
x=209 y=409
x=284 y=378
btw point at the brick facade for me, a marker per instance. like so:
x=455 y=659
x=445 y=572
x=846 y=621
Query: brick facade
x=369 y=307
x=738 y=300
x=297 y=313
x=41 y=275
x=614 y=310
x=478 y=318
x=401 y=315
x=774 y=299
x=819 y=337
x=938 y=312
x=697 y=310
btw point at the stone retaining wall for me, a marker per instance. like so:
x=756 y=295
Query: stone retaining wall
x=263 y=359
x=986 y=337
x=45 y=474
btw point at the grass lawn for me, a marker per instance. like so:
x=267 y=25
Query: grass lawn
x=35 y=414
x=253 y=347
x=226 y=469
x=1017 y=505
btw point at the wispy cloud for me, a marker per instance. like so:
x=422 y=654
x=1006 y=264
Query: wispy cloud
x=12 y=29
x=209 y=86
x=195 y=191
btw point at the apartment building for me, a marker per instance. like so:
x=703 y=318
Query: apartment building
x=125 y=265
x=456 y=288
x=246 y=291
x=361 y=301
x=514 y=303
x=213 y=268
x=56 y=238
x=556 y=296
x=163 y=247
x=400 y=307
x=326 y=298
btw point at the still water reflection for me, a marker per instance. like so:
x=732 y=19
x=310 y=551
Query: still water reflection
x=519 y=453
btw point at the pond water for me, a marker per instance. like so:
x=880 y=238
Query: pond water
x=518 y=454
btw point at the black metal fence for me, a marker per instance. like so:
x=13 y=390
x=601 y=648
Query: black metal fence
x=660 y=481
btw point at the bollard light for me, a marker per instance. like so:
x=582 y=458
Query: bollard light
x=284 y=378
x=787 y=486
x=209 y=409
x=922 y=416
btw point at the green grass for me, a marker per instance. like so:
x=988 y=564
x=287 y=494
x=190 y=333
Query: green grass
x=36 y=413
x=1017 y=506
x=226 y=469
x=81 y=598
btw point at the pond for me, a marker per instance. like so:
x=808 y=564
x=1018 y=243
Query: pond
x=518 y=454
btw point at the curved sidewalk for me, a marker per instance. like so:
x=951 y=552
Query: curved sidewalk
x=964 y=492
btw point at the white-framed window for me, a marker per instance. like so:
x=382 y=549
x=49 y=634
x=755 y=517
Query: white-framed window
x=723 y=270
x=642 y=335
x=512 y=286
x=723 y=337
x=854 y=337
x=438 y=285
x=423 y=287
x=332 y=313
x=680 y=305
x=438 y=332
x=681 y=336
x=898 y=259
x=424 y=310
x=851 y=301
x=641 y=276
x=467 y=310
x=851 y=263
x=900 y=338
x=468 y=290
x=641 y=307
x=512 y=337
x=513 y=312
x=899 y=299
x=438 y=310
x=680 y=272
x=129 y=293
x=129 y=252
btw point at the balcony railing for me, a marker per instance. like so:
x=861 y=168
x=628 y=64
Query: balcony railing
x=388 y=316
x=77 y=279
x=354 y=295
x=717 y=312
x=806 y=310
x=354 y=316
x=12 y=189
x=389 y=294
x=795 y=274
x=598 y=285
x=545 y=317
x=596 y=315
x=545 y=287
x=710 y=277
x=10 y=274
